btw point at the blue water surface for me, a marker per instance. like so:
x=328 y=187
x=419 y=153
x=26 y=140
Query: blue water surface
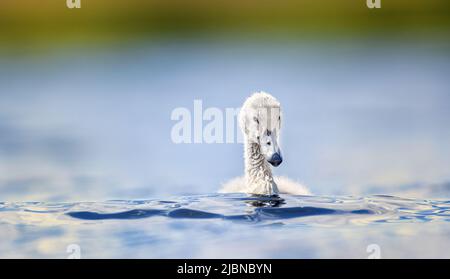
x=361 y=117
x=228 y=226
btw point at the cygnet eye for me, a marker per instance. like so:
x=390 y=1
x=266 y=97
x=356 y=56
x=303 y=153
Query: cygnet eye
x=256 y=120
x=268 y=143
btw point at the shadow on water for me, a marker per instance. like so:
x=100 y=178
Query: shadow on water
x=144 y=213
x=293 y=212
x=131 y=214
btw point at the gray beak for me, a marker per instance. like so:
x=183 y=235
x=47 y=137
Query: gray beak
x=276 y=160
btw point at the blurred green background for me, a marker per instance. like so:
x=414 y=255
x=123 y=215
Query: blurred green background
x=27 y=25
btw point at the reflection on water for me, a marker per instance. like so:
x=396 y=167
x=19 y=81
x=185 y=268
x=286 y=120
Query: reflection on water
x=228 y=226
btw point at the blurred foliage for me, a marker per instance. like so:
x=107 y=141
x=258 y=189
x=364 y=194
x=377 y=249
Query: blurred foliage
x=26 y=24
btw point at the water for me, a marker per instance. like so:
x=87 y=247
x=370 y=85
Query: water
x=229 y=226
x=96 y=125
x=360 y=118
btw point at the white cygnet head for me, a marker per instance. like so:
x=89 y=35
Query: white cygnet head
x=260 y=122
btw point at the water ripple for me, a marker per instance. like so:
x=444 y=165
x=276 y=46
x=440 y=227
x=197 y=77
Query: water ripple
x=299 y=210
